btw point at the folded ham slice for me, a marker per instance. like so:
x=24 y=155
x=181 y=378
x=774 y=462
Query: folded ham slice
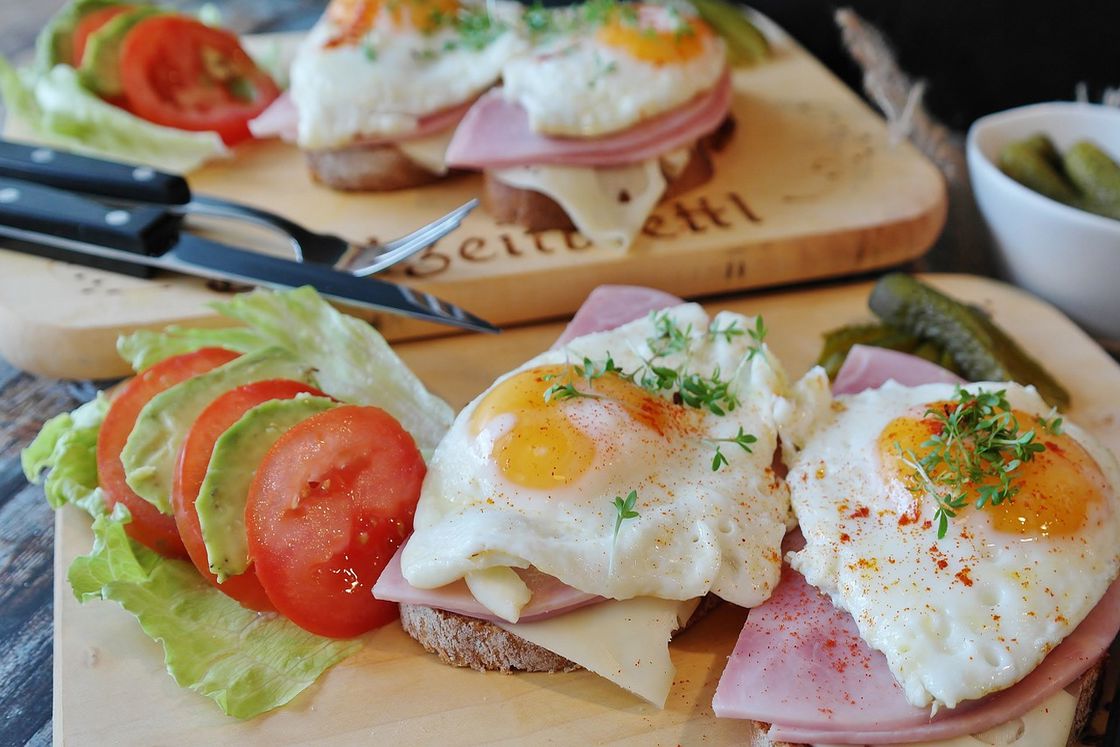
x=869 y=367
x=550 y=595
x=610 y=306
x=495 y=134
x=281 y=119
x=800 y=664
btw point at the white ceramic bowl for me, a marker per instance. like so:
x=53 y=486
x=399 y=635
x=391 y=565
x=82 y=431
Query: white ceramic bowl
x=1063 y=254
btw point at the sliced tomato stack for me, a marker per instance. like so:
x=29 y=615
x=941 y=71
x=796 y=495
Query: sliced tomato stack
x=181 y=73
x=327 y=509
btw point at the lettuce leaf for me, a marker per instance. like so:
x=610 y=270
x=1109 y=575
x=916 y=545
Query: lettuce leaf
x=353 y=362
x=52 y=107
x=248 y=663
x=67 y=445
x=146 y=347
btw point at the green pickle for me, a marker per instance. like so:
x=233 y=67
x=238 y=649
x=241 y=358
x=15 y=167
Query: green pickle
x=1092 y=171
x=838 y=342
x=981 y=350
x=745 y=43
x=1036 y=164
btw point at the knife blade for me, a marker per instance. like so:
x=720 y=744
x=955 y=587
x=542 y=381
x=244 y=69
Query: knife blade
x=75 y=228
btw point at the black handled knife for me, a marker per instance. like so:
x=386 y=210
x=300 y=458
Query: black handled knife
x=61 y=225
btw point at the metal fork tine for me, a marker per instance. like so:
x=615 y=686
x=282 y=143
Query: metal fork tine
x=402 y=248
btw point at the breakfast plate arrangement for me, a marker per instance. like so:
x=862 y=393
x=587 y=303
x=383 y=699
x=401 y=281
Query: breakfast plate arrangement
x=810 y=185
x=392 y=689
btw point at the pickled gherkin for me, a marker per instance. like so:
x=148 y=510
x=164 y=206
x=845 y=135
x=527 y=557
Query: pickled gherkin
x=1085 y=177
x=981 y=350
x=1097 y=177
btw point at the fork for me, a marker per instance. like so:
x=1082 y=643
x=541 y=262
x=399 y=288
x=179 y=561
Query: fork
x=361 y=259
x=141 y=184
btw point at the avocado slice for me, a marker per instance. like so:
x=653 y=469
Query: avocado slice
x=225 y=490
x=100 y=68
x=152 y=450
x=54 y=44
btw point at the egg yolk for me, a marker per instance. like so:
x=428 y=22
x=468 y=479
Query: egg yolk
x=356 y=17
x=653 y=35
x=1055 y=489
x=544 y=448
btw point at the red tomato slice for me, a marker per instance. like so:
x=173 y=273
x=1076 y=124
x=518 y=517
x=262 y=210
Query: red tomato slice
x=328 y=507
x=148 y=526
x=181 y=73
x=90 y=24
x=194 y=458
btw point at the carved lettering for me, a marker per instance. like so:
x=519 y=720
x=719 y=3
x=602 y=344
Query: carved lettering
x=538 y=241
x=715 y=214
x=744 y=208
x=576 y=241
x=472 y=250
x=511 y=247
x=654 y=226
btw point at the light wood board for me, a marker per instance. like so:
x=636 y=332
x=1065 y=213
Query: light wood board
x=810 y=186
x=110 y=686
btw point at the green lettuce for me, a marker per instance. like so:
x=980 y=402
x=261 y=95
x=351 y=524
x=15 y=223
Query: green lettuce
x=248 y=663
x=146 y=347
x=52 y=107
x=67 y=445
x=353 y=362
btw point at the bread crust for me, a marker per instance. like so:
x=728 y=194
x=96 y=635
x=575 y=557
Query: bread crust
x=368 y=168
x=538 y=212
x=468 y=642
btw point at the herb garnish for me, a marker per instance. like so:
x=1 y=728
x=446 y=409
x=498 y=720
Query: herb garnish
x=975 y=451
x=743 y=439
x=625 y=509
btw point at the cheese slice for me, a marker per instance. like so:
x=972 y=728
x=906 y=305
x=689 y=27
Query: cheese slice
x=625 y=641
x=607 y=205
x=429 y=152
x=1048 y=725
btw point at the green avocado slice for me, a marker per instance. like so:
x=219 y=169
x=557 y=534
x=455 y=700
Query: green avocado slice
x=55 y=43
x=152 y=450
x=100 y=68
x=225 y=490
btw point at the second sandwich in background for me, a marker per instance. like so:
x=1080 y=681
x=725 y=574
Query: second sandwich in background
x=617 y=108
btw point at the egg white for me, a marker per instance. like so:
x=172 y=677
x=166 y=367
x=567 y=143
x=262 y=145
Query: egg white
x=698 y=530
x=960 y=617
x=573 y=84
x=381 y=85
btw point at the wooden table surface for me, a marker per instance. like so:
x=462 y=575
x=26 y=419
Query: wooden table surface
x=26 y=521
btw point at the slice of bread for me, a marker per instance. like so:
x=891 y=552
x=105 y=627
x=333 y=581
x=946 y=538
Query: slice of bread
x=538 y=212
x=367 y=168
x=468 y=642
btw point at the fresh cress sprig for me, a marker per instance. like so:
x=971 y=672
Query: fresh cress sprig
x=974 y=453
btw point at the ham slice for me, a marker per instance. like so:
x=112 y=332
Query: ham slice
x=868 y=367
x=495 y=134
x=550 y=595
x=281 y=119
x=800 y=664
x=610 y=306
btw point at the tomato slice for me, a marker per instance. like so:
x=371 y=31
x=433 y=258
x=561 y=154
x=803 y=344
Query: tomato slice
x=194 y=458
x=182 y=73
x=149 y=527
x=328 y=507
x=89 y=25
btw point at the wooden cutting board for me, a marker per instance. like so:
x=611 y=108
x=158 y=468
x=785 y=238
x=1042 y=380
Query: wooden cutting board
x=110 y=686
x=811 y=186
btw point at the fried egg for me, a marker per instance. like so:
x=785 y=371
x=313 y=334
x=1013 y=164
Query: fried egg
x=604 y=75
x=975 y=611
x=523 y=480
x=374 y=68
